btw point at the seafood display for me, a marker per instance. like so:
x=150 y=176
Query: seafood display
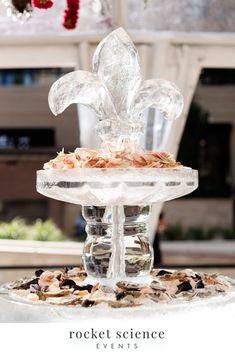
x=70 y=287
x=88 y=158
x=117 y=183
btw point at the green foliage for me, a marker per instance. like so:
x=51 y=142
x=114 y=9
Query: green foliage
x=176 y=232
x=18 y=229
x=195 y=233
x=173 y=232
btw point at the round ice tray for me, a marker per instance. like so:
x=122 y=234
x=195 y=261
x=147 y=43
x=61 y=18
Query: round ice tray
x=15 y=309
x=93 y=186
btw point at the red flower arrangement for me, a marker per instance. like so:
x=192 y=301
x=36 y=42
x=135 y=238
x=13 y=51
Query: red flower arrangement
x=42 y=4
x=71 y=14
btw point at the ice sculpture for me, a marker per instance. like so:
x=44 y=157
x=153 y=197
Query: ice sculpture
x=115 y=90
x=116 y=201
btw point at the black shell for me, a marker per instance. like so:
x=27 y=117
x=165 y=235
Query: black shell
x=38 y=272
x=184 y=287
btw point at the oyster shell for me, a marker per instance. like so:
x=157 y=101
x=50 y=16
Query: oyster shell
x=86 y=303
x=184 y=287
x=155 y=285
x=76 y=272
x=127 y=301
x=25 y=283
x=53 y=294
x=99 y=296
x=67 y=300
x=159 y=296
x=162 y=272
x=128 y=286
x=107 y=289
x=65 y=287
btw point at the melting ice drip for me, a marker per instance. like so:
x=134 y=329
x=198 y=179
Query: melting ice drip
x=117 y=244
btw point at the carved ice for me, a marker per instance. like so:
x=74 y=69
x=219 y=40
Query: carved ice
x=115 y=90
x=117 y=246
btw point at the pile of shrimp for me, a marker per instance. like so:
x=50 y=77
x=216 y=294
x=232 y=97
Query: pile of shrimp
x=89 y=158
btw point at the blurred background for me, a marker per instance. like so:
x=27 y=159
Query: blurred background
x=193 y=43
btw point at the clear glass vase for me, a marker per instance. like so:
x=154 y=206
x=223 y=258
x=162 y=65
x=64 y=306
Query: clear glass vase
x=117 y=244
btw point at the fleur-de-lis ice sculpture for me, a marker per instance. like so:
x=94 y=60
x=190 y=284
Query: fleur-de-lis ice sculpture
x=114 y=90
x=116 y=201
